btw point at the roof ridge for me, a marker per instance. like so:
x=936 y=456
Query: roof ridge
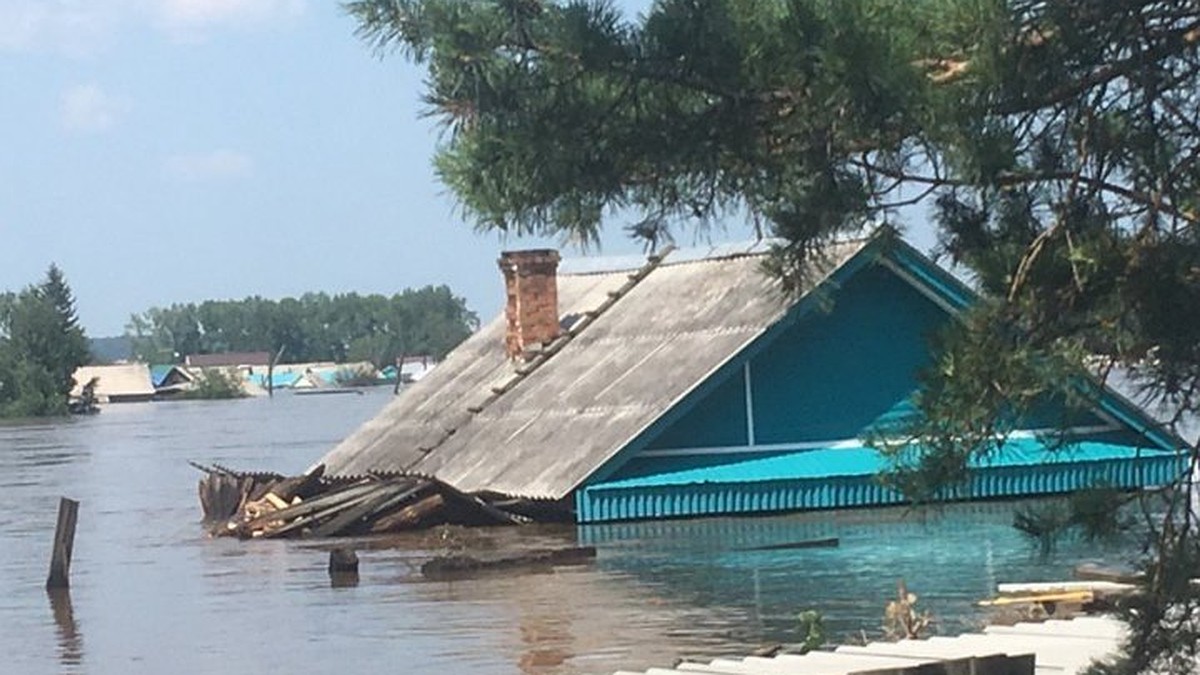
x=720 y=252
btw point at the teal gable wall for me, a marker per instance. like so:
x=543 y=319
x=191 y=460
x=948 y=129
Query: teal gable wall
x=718 y=420
x=835 y=373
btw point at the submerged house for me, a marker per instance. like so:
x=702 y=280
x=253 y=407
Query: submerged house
x=118 y=383
x=689 y=387
x=170 y=379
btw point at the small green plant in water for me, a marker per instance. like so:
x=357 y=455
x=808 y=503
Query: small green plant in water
x=812 y=630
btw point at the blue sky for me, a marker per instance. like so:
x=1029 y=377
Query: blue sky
x=166 y=151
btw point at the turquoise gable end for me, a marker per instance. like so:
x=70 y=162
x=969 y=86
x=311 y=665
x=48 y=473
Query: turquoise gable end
x=779 y=427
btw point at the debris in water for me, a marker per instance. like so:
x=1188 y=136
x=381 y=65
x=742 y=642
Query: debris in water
x=269 y=505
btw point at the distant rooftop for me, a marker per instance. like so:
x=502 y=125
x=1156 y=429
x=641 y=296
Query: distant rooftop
x=228 y=359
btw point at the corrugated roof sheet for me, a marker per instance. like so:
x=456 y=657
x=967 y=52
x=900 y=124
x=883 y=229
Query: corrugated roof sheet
x=552 y=428
x=228 y=359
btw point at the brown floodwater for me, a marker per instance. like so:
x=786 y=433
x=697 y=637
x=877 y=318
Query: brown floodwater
x=151 y=594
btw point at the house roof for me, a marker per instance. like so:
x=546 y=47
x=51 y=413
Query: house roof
x=228 y=359
x=159 y=373
x=129 y=379
x=667 y=331
x=637 y=346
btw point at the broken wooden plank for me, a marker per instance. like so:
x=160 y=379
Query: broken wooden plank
x=474 y=504
x=354 y=514
x=410 y=516
x=330 y=511
x=300 y=486
x=222 y=496
x=314 y=504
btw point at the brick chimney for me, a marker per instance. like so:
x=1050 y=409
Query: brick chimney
x=532 y=288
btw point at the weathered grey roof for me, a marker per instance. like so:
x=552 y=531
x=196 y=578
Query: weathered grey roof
x=554 y=426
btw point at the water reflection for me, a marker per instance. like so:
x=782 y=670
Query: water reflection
x=546 y=636
x=343 y=579
x=70 y=639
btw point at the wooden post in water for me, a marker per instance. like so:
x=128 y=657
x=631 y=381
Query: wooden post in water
x=343 y=567
x=64 y=543
x=271 y=371
x=399 y=374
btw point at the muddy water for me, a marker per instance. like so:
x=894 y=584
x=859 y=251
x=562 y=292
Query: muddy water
x=151 y=594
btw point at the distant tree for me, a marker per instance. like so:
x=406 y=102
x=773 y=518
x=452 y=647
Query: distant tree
x=313 y=327
x=65 y=346
x=41 y=346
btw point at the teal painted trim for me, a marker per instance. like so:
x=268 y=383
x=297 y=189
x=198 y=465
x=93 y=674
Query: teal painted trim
x=810 y=302
x=602 y=503
x=1133 y=417
x=945 y=285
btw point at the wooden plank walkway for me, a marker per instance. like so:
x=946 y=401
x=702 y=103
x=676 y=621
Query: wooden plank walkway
x=1059 y=647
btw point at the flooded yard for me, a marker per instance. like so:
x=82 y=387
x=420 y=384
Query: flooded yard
x=150 y=593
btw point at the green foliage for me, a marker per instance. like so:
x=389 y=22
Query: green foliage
x=314 y=327
x=812 y=630
x=216 y=383
x=558 y=111
x=355 y=377
x=41 y=346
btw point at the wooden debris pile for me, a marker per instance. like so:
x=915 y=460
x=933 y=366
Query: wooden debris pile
x=270 y=505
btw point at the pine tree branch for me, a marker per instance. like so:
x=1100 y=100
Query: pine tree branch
x=1011 y=180
x=1173 y=44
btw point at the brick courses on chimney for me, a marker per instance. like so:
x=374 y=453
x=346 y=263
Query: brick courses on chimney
x=532 y=309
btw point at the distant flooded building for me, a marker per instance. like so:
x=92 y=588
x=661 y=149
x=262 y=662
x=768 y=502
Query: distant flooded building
x=690 y=387
x=169 y=379
x=413 y=368
x=121 y=383
x=228 y=359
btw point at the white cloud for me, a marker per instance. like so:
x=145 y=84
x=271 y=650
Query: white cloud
x=187 y=18
x=88 y=108
x=74 y=27
x=213 y=165
x=83 y=27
